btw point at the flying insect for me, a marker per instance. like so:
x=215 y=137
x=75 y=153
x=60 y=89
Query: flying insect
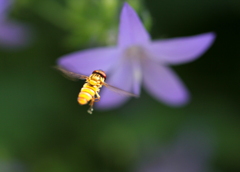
x=90 y=90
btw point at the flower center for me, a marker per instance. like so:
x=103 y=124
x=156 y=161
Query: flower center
x=134 y=52
x=134 y=55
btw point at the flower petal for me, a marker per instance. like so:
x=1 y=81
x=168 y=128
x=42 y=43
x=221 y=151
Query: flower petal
x=121 y=77
x=4 y=7
x=181 y=50
x=162 y=83
x=13 y=34
x=86 y=61
x=131 y=29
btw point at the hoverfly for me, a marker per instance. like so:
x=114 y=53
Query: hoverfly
x=90 y=90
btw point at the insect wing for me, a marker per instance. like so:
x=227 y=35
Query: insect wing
x=71 y=75
x=118 y=90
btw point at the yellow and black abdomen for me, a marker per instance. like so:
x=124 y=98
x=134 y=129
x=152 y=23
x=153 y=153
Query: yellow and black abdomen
x=86 y=94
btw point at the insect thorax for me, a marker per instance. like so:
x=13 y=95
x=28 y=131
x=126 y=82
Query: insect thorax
x=96 y=80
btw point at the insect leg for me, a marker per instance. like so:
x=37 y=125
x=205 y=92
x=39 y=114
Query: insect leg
x=90 y=110
x=94 y=99
x=97 y=98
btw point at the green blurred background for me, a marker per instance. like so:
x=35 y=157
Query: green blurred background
x=42 y=127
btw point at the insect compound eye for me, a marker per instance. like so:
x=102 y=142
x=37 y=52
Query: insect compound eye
x=100 y=72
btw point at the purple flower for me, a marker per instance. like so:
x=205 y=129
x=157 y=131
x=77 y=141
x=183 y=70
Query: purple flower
x=12 y=33
x=136 y=60
x=12 y=165
x=191 y=152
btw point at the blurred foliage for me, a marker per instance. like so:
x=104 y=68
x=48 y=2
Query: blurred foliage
x=85 y=22
x=43 y=127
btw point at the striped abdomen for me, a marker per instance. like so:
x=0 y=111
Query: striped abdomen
x=86 y=94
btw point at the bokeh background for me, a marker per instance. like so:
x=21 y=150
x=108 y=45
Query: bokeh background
x=43 y=129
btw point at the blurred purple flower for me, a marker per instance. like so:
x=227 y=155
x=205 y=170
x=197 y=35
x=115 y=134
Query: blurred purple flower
x=191 y=152
x=137 y=59
x=12 y=166
x=12 y=33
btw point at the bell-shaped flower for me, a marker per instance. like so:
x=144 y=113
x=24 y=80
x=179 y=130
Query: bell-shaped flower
x=137 y=60
x=12 y=34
